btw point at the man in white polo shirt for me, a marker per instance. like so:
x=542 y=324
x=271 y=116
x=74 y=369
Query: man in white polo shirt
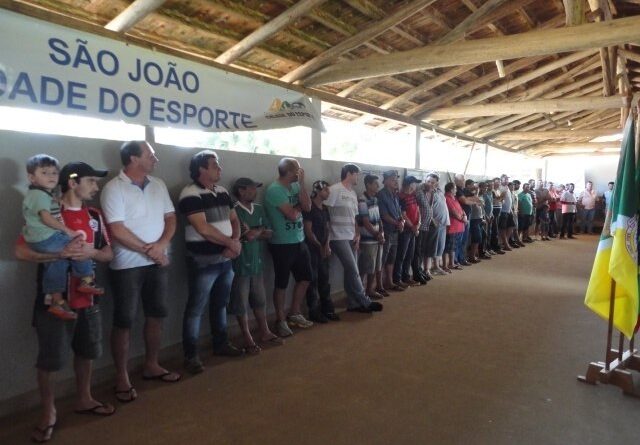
x=141 y=219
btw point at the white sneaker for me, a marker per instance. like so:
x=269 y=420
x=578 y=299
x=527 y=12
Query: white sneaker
x=282 y=329
x=298 y=321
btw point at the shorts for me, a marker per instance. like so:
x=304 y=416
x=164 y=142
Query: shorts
x=247 y=289
x=149 y=283
x=290 y=258
x=451 y=242
x=475 y=231
x=390 y=249
x=506 y=221
x=524 y=221
x=370 y=258
x=84 y=336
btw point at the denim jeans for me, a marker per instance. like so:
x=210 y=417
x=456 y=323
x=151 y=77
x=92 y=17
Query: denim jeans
x=319 y=291
x=567 y=224
x=207 y=284
x=461 y=247
x=352 y=284
x=406 y=247
x=586 y=220
x=54 y=277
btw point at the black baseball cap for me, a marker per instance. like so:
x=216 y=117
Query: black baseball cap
x=410 y=180
x=243 y=183
x=77 y=170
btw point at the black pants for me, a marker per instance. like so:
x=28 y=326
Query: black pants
x=553 y=224
x=567 y=224
x=493 y=238
x=319 y=291
x=418 y=254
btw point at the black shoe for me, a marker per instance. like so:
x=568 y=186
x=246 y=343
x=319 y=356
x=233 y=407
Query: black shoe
x=465 y=263
x=318 y=317
x=332 y=316
x=361 y=309
x=500 y=252
x=420 y=279
x=228 y=350
x=375 y=307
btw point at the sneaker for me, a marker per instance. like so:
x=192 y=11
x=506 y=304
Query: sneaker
x=332 y=316
x=375 y=296
x=383 y=292
x=193 y=365
x=465 y=263
x=375 y=306
x=298 y=321
x=88 y=286
x=499 y=252
x=62 y=310
x=484 y=256
x=282 y=329
x=228 y=350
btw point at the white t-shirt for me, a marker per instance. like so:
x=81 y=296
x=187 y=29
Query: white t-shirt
x=141 y=209
x=571 y=199
x=343 y=208
x=507 y=199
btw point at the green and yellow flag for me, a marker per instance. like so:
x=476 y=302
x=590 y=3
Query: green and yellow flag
x=617 y=255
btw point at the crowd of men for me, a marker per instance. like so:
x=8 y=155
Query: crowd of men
x=396 y=234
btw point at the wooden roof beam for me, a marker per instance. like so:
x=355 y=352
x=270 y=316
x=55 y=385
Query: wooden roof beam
x=356 y=40
x=264 y=32
x=550 y=41
x=555 y=134
x=521 y=80
x=574 y=11
x=138 y=10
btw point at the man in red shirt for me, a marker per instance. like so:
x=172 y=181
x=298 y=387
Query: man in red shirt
x=407 y=238
x=83 y=336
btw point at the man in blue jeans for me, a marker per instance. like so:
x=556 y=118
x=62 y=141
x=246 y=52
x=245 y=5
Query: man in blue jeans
x=212 y=236
x=344 y=238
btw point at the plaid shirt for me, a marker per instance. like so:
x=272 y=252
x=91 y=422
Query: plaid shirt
x=425 y=203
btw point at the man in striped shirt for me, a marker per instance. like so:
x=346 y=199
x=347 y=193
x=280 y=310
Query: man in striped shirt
x=344 y=237
x=212 y=235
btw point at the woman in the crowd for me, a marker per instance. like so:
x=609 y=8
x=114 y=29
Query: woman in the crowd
x=456 y=228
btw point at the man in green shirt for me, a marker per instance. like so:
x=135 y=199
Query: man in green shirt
x=285 y=199
x=525 y=210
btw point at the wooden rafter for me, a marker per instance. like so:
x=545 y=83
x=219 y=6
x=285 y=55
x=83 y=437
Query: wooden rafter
x=557 y=134
x=484 y=50
x=138 y=10
x=355 y=41
x=264 y=32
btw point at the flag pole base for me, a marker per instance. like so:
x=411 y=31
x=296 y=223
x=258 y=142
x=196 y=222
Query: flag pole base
x=618 y=372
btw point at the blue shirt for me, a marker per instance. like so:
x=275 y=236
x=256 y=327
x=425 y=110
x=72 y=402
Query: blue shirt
x=389 y=204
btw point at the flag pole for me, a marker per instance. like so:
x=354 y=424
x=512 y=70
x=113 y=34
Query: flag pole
x=612 y=305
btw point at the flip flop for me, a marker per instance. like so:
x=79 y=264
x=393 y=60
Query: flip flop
x=277 y=341
x=95 y=411
x=164 y=377
x=131 y=395
x=44 y=434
